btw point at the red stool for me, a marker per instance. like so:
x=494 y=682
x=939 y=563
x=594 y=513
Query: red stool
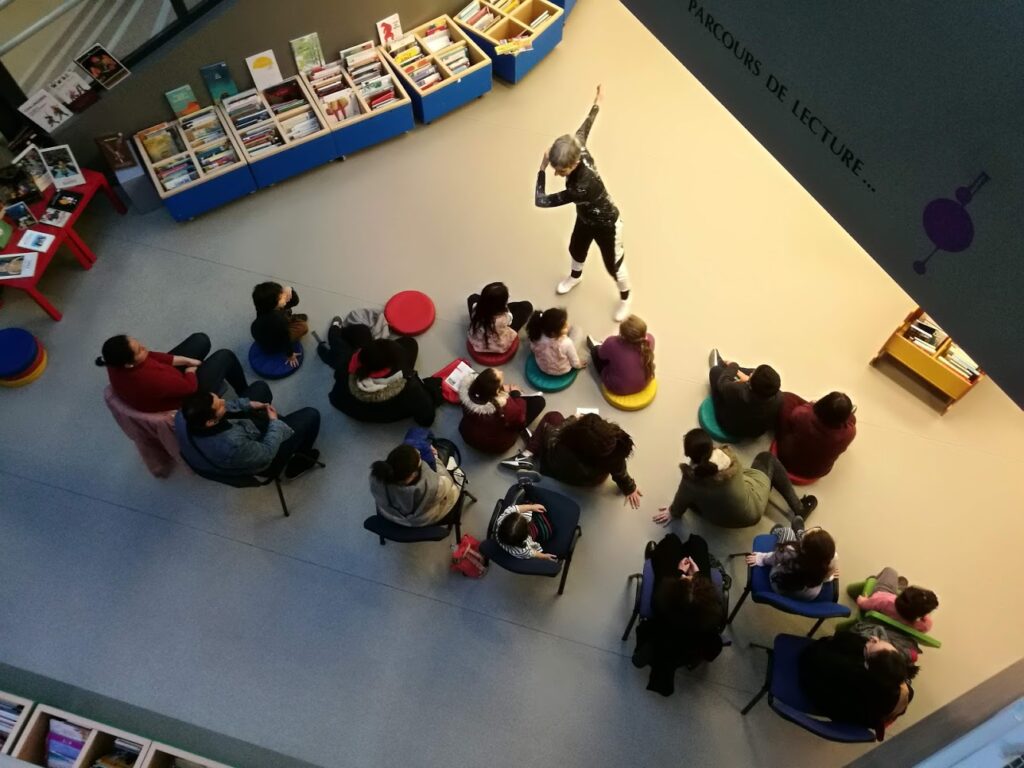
x=794 y=479
x=409 y=313
x=493 y=359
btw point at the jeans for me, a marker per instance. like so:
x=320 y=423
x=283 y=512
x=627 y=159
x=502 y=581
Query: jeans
x=219 y=367
x=772 y=467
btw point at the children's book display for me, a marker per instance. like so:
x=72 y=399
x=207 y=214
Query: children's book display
x=516 y=34
x=59 y=739
x=441 y=65
x=62 y=166
x=14 y=712
x=218 y=81
x=61 y=206
x=182 y=100
x=263 y=68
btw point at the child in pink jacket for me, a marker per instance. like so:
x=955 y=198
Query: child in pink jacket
x=905 y=604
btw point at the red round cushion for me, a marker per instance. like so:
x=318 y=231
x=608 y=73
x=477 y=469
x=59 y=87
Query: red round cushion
x=794 y=479
x=491 y=359
x=409 y=313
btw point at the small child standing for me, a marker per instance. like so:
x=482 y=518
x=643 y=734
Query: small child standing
x=906 y=604
x=523 y=529
x=802 y=562
x=552 y=348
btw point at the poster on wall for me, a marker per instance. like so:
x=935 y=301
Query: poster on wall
x=62 y=166
x=44 y=110
x=72 y=89
x=102 y=67
x=264 y=70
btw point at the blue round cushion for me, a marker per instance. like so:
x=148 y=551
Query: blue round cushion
x=273 y=366
x=546 y=382
x=18 y=350
x=709 y=422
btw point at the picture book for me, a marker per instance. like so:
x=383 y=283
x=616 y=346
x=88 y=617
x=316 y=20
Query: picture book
x=341 y=105
x=66 y=200
x=389 y=29
x=20 y=215
x=72 y=89
x=307 y=52
x=16 y=186
x=32 y=163
x=14 y=266
x=218 y=81
x=264 y=70
x=62 y=166
x=116 y=151
x=44 y=110
x=454 y=379
x=161 y=142
x=35 y=241
x=102 y=67
x=54 y=217
x=182 y=100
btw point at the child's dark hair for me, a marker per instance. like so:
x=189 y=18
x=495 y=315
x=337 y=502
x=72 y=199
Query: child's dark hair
x=514 y=529
x=914 y=603
x=266 y=295
x=814 y=553
x=378 y=355
x=603 y=444
x=833 y=410
x=891 y=667
x=765 y=381
x=493 y=302
x=400 y=463
x=485 y=387
x=197 y=409
x=698 y=446
x=116 y=352
x=548 y=322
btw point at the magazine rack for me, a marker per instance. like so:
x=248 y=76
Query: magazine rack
x=566 y=5
x=31 y=746
x=19 y=724
x=517 y=22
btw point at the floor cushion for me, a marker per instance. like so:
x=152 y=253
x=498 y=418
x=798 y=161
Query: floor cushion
x=493 y=359
x=709 y=422
x=633 y=402
x=18 y=351
x=545 y=382
x=409 y=313
x=273 y=366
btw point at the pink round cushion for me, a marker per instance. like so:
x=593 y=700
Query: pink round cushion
x=409 y=313
x=491 y=359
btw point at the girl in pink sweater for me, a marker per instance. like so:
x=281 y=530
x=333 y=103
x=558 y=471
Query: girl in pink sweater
x=554 y=351
x=905 y=604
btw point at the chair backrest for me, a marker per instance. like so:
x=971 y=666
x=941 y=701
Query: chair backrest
x=403 y=533
x=514 y=495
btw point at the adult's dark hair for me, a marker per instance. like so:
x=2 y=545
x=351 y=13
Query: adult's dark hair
x=692 y=603
x=698 y=445
x=602 y=444
x=814 y=553
x=513 y=530
x=548 y=322
x=891 y=667
x=197 y=409
x=765 y=381
x=265 y=296
x=379 y=355
x=400 y=463
x=915 y=602
x=492 y=303
x=833 y=410
x=116 y=352
x=485 y=387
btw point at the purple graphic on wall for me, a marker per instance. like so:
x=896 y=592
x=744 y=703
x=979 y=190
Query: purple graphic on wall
x=948 y=224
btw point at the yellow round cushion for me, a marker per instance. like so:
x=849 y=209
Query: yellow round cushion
x=30 y=378
x=641 y=399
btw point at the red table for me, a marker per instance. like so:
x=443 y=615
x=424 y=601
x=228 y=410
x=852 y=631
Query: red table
x=65 y=235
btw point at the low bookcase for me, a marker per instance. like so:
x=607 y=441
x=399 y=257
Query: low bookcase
x=32 y=744
x=272 y=128
x=514 y=22
x=25 y=710
x=372 y=125
x=162 y=756
x=566 y=5
x=455 y=88
x=931 y=359
x=205 y=168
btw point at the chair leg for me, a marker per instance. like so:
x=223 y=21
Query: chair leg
x=382 y=541
x=753 y=701
x=636 y=604
x=738 y=605
x=815 y=627
x=629 y=627
x=767 y=679
x=280 y=495
x=469 y=496
x=565 y=575
x=458 y=531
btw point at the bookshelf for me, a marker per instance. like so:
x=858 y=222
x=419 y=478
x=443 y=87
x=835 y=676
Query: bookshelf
x=280 y=130
x=194 y=163
x=539 y=21
x=163 y=756
x=371 y=124
x=922 y=347
x=22 y=708
x=32 y=744
x=565 y=5
x=460 y=78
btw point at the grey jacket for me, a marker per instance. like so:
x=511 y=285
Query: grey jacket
x=424 y=502
x=239 y=449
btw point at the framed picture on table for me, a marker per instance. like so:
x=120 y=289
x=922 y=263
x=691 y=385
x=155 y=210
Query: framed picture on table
x=62 y=166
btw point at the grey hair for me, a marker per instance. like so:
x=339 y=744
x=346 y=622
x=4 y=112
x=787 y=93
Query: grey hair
x=565 y=152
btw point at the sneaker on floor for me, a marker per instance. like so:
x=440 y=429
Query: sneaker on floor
x=519 y=461
x=622 y=311
x=568 y=284
x=714 y=359
x=809 y=503
x=300 y=463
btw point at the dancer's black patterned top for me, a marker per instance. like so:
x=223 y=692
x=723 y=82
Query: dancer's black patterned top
x=583 y=186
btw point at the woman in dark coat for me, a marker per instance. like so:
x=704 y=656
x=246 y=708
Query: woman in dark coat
x=809 y=437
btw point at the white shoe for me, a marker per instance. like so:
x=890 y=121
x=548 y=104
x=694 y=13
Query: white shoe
x=568 y=284
x=622 y=311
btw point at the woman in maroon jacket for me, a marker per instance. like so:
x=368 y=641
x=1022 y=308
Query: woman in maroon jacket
x=809 y=437
x=494 y=414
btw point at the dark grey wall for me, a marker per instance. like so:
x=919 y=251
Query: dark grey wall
x=924 y=94
x=234 y=30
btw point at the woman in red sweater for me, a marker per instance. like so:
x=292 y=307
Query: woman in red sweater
x=809 y=437
x=494 y=414
x=153 y=382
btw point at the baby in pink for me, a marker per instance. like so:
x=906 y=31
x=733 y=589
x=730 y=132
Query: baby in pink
x=909 y=605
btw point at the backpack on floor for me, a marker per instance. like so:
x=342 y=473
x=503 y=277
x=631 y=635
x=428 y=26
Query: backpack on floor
x=466 y=558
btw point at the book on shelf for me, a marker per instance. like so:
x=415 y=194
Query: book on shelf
x=124 y=755
x=203 y=128
x=358 y=54
x=218 y=81
x=182 y=100
x=457 y=59
x=307 y=52
x=961 y=362
x=540 y=20
x=161 y=141
x=9 y=714
x=263 y=68
x=436 y=37
x=925 y=333
x=482 y=20
x=469 y=11
x=389 y=29
x=378 y=91
x=64 y=742
x=341 y=105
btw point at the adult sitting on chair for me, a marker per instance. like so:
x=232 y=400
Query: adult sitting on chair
x=375 y=379
x=494 y=413
x=809 y=437
x=855 y=679
x=152 y=382
x=746 y=400
x=717 y=486
x=581 y=450
x=688 y=614
x=408 y=492
x=275 y=328
x=246 y=437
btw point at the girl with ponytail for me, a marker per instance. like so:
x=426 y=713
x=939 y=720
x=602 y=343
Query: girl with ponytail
x=625 y=361
x=494 y=413
x=408 y=492
x=550 y=344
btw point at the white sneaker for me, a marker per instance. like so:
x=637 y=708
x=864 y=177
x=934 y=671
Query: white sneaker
x=622 y=311
x=568 y=284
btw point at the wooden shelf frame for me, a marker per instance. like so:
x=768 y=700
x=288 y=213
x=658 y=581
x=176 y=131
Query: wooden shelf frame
x=19 y=724
x=478 y=59
x=510 y=24
x=365 y=113
x=162 y=756
x=324 y=130
x=31 y=745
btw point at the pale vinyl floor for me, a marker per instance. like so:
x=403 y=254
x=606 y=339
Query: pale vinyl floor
x=305 y=636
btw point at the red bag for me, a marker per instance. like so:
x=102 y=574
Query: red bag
x=466 y=558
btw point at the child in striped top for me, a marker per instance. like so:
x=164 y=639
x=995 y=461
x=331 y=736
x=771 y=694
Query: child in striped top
x=522 y=530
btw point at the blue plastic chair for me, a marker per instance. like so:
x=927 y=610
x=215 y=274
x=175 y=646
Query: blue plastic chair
x=824 y=606
x=709 y=422
x=546 y=382
x=273 y=366
x=564 y=514
x=782 y=684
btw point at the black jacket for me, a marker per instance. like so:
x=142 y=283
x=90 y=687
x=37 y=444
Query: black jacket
x=270 y=329
x=739 y=411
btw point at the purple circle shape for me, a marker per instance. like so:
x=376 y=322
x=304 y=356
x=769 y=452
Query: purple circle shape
x=964 y=195
x=948 y=225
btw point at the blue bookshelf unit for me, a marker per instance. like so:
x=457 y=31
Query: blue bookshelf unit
x=516 y=23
